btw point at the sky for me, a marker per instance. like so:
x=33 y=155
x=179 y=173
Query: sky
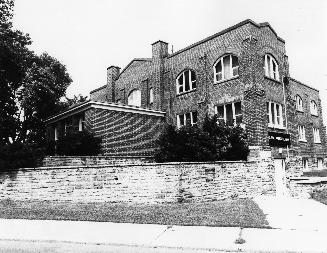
x=89 y=36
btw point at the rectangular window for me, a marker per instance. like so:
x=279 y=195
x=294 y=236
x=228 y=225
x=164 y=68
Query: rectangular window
x=301 y=130
x=305 y=165
x=231 y=114
x=80 y=124
x=187 y=118
x=320 y=163
x=151 y=95
x=275 y=115
x=56 y=135
x=316 y=135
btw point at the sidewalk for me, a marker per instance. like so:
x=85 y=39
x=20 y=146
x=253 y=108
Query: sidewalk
x=187 y=237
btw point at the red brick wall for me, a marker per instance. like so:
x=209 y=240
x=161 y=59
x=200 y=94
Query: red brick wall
x=308 y=149
x=125 y=134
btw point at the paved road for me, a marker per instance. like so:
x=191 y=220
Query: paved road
x=62 y=247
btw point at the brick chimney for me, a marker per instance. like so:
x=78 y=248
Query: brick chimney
x=159 y=49
x=112 y=75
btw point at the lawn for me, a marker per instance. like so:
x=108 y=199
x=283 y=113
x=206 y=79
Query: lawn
x=320 y=195
x=241 y=212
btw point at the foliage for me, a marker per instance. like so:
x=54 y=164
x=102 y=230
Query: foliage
x=76 y=100
x=19 y=155
x=78 y=143
x=212 y=142
x=14 y=59
x=30 y=85
x=45 y=83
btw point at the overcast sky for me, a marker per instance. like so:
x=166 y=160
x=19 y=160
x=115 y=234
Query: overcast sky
x=89 y=36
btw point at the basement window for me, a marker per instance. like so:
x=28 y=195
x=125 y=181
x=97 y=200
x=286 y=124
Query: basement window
x=271 y=67
x=320 y=163
x=186 y=81
x=305 y=165
x=230 y=114
x=301 y=131
x=190 y=118
x=275 y=115
x=226 y=68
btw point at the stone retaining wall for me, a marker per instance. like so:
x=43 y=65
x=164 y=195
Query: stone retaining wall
x=150 y=183
x=303 y=188
x=55 y=161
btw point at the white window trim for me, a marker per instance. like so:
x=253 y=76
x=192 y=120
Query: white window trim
x=233 y=112
x=271 y=73
x=316 y=135
x=184 y=118
x=56 y=133
x=221 y=59
x=313 y=108
x=299 y=103
x=270 y=124
x=301 y=132
x=80 y=124
x=151 y=98
x=191 y=82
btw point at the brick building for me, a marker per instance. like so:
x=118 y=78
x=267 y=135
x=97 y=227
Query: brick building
x=240 y=73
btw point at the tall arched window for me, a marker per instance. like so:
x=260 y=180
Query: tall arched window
x=134 y=98
x=186 y=81
x=299 y=103
x=271 y=67
x=313 y=108
x=225 y=68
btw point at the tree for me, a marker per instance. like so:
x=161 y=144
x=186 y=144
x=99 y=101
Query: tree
x=14 y=59
x=30 y=90
x=44 y=85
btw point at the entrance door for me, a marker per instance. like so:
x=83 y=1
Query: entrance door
x=280 y=177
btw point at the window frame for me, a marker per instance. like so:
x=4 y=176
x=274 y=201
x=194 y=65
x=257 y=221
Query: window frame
x=305 y=164
x=316 y=135
x=268 y=67
x=192 y=113
x=140 y=99
x=320 y=163
x=313 y=108
x=233 y=113
x=151 y=96
x=192 y=83
x=299 y=103
x=221 y=59
x=278 y=115
x=302 y=133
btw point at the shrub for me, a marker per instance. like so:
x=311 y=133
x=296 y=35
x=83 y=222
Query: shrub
x=19 y=155
x=210 y=143
x=78 y=143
